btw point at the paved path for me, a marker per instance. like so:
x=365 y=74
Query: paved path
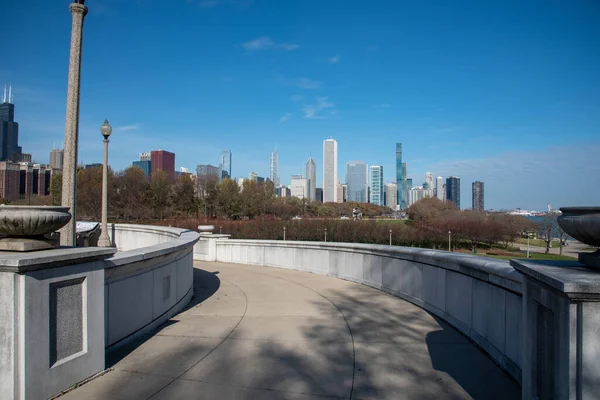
x=265 y=333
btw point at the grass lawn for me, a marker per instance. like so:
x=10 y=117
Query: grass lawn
x=538 y=242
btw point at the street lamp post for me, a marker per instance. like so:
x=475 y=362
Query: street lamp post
x=528 y=236
x=325 y=234
x=449 y=240
x=284 y=233
x=104 y=240
x=390 y=237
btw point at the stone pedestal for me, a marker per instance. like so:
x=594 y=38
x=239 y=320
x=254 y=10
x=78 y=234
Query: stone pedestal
x=51 y=320
x=561 y=330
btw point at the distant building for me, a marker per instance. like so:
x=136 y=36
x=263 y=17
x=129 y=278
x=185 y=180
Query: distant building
x=311 y=176
x=145 y=156
x=417 y=193
x=478 y=204
x=92 y=165
x=391 y=190
x=440 y=191
x=162 y=160
x=205 y=173
x=330 y=172
x=252 y=176
x=453 y=190
x=57 y=158
x=299 y=187
x=408 y=185
x=225 y=165
x=9 y=130
x=274 y=168
x=339 y=192
x=260 y=180
x=376 y=179
x=344 y=193
x=429 y=181
x=9 y=180
x=356 y=179
x=319 y=195
x=145 y=166
x=401 y=178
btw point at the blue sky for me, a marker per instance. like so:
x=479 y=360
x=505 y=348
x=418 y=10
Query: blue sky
x=507 y=92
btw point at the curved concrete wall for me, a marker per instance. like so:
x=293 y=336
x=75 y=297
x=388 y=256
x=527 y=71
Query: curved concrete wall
x=481 y=297
x=147 y=281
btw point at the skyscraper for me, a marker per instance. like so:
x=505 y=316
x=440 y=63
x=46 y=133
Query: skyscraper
x=311 y=177
x=478 y=196
x=391 y=191
x=330 y=172
x=439 y=188
x=145 y=166
x=9 y=130
x=164 y=161
x=356 y=179
x=376 y=179
x=453 y=190
x=225 y=165
x=401 y=177
x=299 y=186
x=274 y=168
x=145 y=156
x=56 y=158
x=429 y=181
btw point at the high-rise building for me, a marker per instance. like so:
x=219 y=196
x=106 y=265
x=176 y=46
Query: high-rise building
x=453 y=190
x=299 y=187
x=356 y=179
x=440 y=193
x=401 y=178
x=252 y=176
x=330 y=172
x=274 y=168
x=391 y=195
x=9 y=130
x=478 y=196
x=162 y=160
x=145 y=166
x=9 y=180
x=320 y=195
x=339 y=188
x=56 y=158
x=311 y=176
x=417 y=193
x=225 y=165
x=145 y=156
x=205 y=174
x=429 y=180
x=376 y=178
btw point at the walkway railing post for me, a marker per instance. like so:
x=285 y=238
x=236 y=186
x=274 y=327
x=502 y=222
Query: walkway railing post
x=325 y=234
x=390 y=237
x=284 y=233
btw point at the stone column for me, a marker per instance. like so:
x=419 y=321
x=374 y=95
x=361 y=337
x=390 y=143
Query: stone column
x=69 y=185
x=104 y=240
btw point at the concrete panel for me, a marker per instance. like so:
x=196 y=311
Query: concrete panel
x=412 y=279
x=434 y=287
x=165 y=289
x=352 y=266
x=130 y=305
x=373 y=267
x=391 y=274
x=489 y=313
x=459 y=291
x=336 y=263
x=8 y=331
x=514 y=312
x=185 y=275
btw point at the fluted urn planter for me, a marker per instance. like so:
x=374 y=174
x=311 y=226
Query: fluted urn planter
x=25 y=226
x=583 y=223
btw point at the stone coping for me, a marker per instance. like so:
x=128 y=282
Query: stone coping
x=496 y=272
x=568 y=277
x=158 y=229
x=37 y=260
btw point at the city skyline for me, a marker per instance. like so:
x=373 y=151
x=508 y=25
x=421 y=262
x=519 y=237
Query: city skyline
x=332 y=81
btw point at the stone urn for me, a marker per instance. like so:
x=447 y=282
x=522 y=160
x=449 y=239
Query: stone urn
x=206 y=229
x=583 y=223
x=25 y=226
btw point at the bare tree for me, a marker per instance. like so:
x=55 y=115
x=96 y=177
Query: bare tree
x=548 y=229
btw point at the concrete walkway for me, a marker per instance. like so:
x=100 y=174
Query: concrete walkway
x=265 y=333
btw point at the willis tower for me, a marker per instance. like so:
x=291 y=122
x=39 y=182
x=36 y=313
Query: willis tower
x=9 y=130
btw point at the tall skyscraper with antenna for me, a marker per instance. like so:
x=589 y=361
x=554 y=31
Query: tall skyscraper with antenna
x=274 y=168
x=9 y=129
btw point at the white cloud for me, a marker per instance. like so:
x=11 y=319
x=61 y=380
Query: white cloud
x=383 y=105
x=128 y=128
x=333 y=60
x=266 y=43
x=322 y=109
x=285 y=117
x=305 y=83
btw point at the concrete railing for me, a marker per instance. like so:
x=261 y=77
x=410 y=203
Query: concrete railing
x=479 y=296
x=149 y=280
